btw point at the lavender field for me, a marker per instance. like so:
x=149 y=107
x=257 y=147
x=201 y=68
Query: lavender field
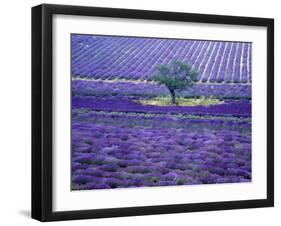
x=128 y=131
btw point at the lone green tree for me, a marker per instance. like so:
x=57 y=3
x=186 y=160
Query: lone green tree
x=175 y=76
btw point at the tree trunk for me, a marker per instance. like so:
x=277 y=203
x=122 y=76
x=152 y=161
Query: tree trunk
x=173 y=96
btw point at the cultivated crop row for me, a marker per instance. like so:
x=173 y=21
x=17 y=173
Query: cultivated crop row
x=110 y=57
x=113 y=151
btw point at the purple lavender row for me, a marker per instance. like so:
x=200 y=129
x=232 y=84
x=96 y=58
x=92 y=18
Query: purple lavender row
x=135 y=90
x=236 y=72
x=93 y=50
x=160 y=121
x=225 y=59
x=233 y=108
x=109 y=57
x=139 y=152
x=250 y=63
x=217 y=63
x=244 y=75
x=202 y=66
x=199 y=60
x=231 y=61
x=210 y=63
x=196 y=53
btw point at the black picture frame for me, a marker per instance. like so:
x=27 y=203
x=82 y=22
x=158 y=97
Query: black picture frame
x=42 y=107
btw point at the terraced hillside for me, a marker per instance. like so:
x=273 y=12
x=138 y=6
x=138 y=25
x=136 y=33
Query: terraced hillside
x=130 y=58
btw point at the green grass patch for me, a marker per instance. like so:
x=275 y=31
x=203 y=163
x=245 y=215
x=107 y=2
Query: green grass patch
x=181 y=101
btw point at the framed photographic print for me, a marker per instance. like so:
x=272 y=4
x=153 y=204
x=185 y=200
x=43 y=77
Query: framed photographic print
x=145 y=112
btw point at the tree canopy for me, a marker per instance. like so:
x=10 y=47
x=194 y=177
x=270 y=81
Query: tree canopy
x=175 y=76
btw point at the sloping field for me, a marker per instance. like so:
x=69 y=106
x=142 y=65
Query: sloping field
x=130 y=58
